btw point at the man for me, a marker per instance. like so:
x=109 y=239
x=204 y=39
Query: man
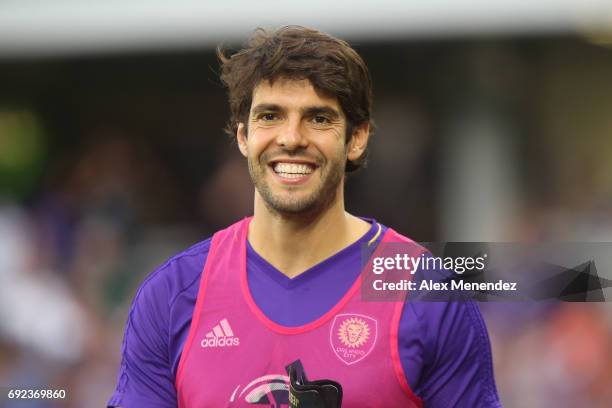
x=217 y=324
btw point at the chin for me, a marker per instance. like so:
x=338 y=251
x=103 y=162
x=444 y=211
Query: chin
x=294 y=206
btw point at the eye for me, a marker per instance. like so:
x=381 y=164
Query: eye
x=267 y=117
x=320 y=119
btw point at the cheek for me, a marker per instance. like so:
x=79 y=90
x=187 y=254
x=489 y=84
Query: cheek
x=340 y=142
x=340 y=152
x=331 y=142
x=257 y=142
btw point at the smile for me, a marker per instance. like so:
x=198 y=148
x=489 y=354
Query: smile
x=293 y=172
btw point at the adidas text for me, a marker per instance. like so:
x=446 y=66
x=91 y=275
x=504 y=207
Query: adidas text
x=220 y=342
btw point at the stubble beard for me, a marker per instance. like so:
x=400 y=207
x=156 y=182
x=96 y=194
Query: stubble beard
x=286 y=204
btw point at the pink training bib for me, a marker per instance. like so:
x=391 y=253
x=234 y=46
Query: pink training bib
x=235 y=356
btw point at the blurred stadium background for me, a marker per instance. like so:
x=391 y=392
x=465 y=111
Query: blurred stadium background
x=494 y=123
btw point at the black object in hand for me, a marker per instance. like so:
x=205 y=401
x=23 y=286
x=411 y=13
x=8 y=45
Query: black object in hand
x=311 y=394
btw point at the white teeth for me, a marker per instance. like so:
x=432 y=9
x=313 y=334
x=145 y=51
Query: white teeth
x=292 y=170
x=290 y=175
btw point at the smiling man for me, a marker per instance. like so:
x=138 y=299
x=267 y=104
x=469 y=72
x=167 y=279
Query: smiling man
x=297 y=149
x=217 y=324
x=288 y=116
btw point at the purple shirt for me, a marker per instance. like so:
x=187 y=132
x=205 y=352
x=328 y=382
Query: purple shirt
x=444 y=346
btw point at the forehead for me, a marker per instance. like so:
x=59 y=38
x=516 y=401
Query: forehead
x=292 y=94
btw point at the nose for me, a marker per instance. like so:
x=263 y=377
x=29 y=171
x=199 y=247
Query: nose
x=291 y=136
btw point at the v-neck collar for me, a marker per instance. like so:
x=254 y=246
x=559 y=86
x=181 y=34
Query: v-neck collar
x=311 y=273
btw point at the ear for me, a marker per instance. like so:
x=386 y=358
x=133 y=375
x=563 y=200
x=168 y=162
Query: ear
x=359 y=141
x=241 y=138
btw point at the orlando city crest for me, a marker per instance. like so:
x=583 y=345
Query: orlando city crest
x=352 y=337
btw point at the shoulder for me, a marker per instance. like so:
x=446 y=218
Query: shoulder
x=444 y=346
x=463 y=356
x=175 y=275
x=455 y=351
x=413 y=247
x=149 y=350
x=152 y=310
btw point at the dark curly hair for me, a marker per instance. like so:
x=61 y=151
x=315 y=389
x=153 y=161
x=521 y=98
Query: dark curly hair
x=295 y=52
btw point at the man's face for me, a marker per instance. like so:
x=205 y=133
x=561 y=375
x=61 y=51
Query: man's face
x=295 y=146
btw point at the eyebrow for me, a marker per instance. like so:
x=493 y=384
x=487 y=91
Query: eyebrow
x=306 y=111
x=265 y=107
x=318 y=110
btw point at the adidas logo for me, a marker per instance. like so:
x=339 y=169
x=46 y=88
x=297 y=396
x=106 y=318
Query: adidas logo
x=220 y=336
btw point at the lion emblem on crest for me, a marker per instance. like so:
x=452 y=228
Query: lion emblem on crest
x=354 y=332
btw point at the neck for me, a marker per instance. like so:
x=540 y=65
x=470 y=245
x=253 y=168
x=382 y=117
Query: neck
x=294 y=243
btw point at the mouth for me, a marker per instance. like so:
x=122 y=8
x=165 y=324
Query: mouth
x=293 y=172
